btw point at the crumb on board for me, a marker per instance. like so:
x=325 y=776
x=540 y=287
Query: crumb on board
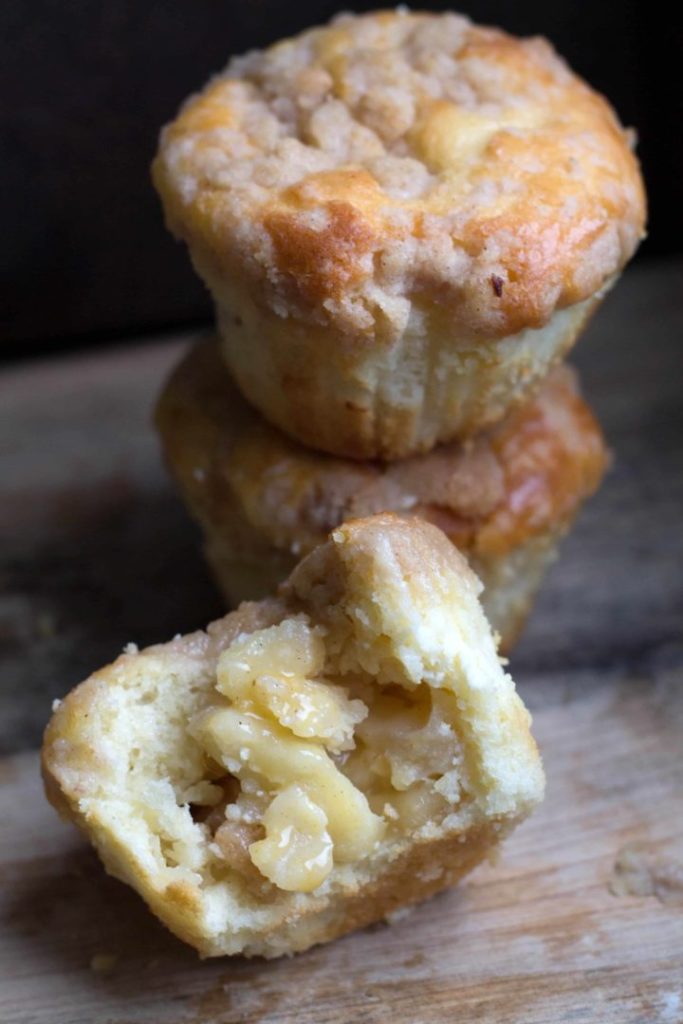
x=638 y=872
x=398 y=915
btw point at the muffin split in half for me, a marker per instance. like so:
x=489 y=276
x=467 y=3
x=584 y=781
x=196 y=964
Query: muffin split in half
x=310 y=763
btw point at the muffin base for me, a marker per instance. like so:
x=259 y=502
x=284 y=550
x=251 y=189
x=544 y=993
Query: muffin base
x=387 y=401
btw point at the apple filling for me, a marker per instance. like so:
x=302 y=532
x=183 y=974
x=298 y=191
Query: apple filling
x=321 y=768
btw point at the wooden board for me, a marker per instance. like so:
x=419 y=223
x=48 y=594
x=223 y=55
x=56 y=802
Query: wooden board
x=541 y=937
x=582 y=919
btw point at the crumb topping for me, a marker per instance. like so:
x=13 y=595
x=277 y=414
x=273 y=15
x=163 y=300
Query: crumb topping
x=400 y=155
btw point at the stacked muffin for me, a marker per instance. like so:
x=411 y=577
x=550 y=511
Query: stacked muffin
x=405 y=221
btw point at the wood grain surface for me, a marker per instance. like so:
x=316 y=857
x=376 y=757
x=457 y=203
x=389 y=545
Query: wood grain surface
x=582 y=919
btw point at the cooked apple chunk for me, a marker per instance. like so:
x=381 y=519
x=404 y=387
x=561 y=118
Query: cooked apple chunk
x=310 y=763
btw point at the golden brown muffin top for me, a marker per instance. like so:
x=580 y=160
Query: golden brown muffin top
x=528 y=474
x=398 y=159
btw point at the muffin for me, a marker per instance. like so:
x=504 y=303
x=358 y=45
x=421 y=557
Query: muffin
x=404 y=220
x=309 y=764
x=504 y=498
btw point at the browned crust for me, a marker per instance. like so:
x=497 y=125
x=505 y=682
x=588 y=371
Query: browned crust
x=552 y=456
x=317 y=264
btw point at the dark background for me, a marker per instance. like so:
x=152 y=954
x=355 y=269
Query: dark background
x=87 y=86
